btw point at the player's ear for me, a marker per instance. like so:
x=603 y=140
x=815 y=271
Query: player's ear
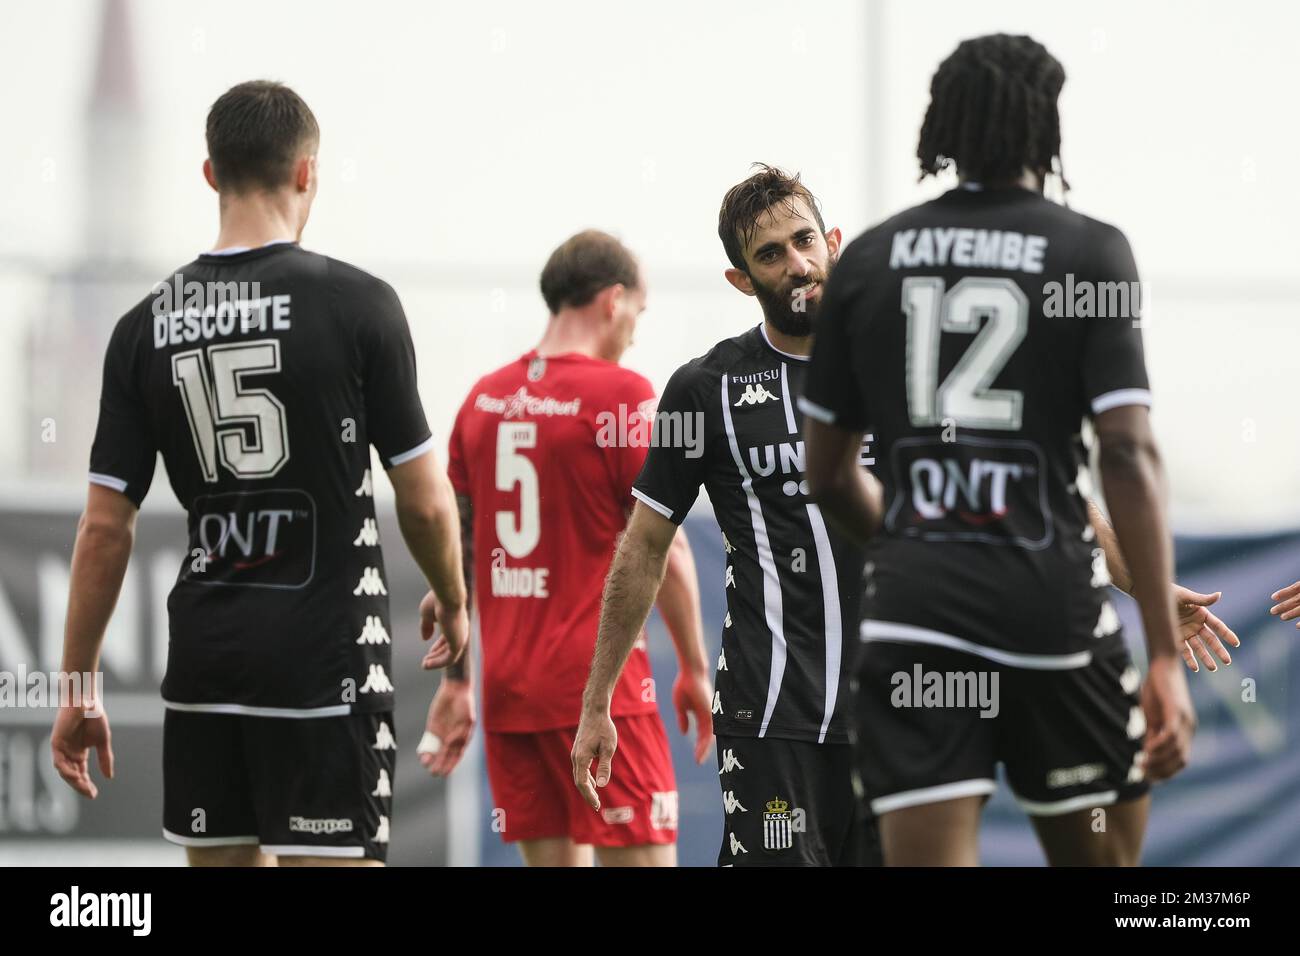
x=608 y=299
x=209 y=175
x=305 y=174
x=833 y=240
x=740 y=279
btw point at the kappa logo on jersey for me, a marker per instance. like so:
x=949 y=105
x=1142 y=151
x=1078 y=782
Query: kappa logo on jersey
x=777 y=832
x=374 y=631
x=729 y=762
x=717 y=702
x=384 y=788
x=520 y=403
x=253 y=539
x=367 y=489
x=1137 y=723
x=755 y=395
x=736 y=845
x=1108 y=621
x=663 y=810
x=1100 y=571
x=381 y=835
x=726 y=621
x=319 y=825
x=726 y=544
x=730 y=578
x=377 y=681
x=368 y=536
x=722 y=658
x=384 y=739
x=370 y=584
x=1130 y=680
x=972 y=489
x=730 y=804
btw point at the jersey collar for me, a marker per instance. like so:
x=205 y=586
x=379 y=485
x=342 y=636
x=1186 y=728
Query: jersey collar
x=762 y=329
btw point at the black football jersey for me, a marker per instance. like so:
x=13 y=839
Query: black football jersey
x=728 y=421
x=263 y=377
x=972 y=335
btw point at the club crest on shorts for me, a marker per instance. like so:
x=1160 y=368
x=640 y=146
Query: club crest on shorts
x=777 y=834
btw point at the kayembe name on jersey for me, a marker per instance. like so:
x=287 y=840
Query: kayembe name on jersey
x=778 y=834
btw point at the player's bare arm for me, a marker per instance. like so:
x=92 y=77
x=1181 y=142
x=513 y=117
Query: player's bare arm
x=1287 y=607
x=630 y=590
x=679 y=604
x=426 y=513
x=1133 y=478
x=105 y=535
x=452 y=716
x=845 y=491
x=1203 y=633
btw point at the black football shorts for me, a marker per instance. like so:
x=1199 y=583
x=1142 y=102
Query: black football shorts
x=932 y=723
x=791 y=803
x=319 y=786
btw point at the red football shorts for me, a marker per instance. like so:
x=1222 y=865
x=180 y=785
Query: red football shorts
x=534 y=796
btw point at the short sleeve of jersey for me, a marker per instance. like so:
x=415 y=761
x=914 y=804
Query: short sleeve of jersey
x=394 y=414
x=832 y=391
x=673 y=471
x=123 y=454
x=456 y=470
x=1114 y=369
x=637 y=395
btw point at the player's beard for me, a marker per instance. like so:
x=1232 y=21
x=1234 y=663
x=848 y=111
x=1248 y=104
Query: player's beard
x=788 y=315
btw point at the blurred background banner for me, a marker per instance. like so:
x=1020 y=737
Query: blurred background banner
x=1235 y=805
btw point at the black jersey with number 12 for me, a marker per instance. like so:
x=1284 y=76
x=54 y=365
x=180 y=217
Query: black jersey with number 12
x=965 y=335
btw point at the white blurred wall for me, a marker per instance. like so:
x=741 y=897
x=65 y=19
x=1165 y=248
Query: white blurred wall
x=461 y=142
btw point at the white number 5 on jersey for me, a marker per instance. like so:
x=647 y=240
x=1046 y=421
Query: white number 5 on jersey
x=521 y=536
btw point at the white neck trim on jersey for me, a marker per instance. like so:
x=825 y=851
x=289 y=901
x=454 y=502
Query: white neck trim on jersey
x=798 y=358
x=235 y=250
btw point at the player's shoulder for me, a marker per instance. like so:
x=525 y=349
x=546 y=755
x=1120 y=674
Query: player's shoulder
x=705 y=370
x=614 y=379
x=349 y=280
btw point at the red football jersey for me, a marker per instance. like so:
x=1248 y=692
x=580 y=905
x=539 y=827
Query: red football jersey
x=547 y=450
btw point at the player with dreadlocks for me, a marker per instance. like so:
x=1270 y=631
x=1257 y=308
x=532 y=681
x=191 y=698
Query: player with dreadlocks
x=989 y=636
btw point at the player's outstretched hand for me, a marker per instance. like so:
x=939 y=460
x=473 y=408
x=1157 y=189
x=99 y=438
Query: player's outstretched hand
x=597 y=739
x=452 y=628
x=1201 y=631
x=693 y=694
x=1288 y=603
x=1171 y=721
x=74 y=736
x=449 y=727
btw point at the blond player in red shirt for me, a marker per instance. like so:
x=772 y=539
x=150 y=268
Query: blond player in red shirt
x=543 y=455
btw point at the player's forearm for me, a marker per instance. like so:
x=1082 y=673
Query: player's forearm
x=630 y=590
x=679 y=603
x=463 y=669
x=432 y=533
x=1133 y=479
x=99 y=560
x=851 y=500
x=1115 y=564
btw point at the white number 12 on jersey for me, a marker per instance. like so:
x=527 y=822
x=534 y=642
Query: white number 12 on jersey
x=964 y=396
